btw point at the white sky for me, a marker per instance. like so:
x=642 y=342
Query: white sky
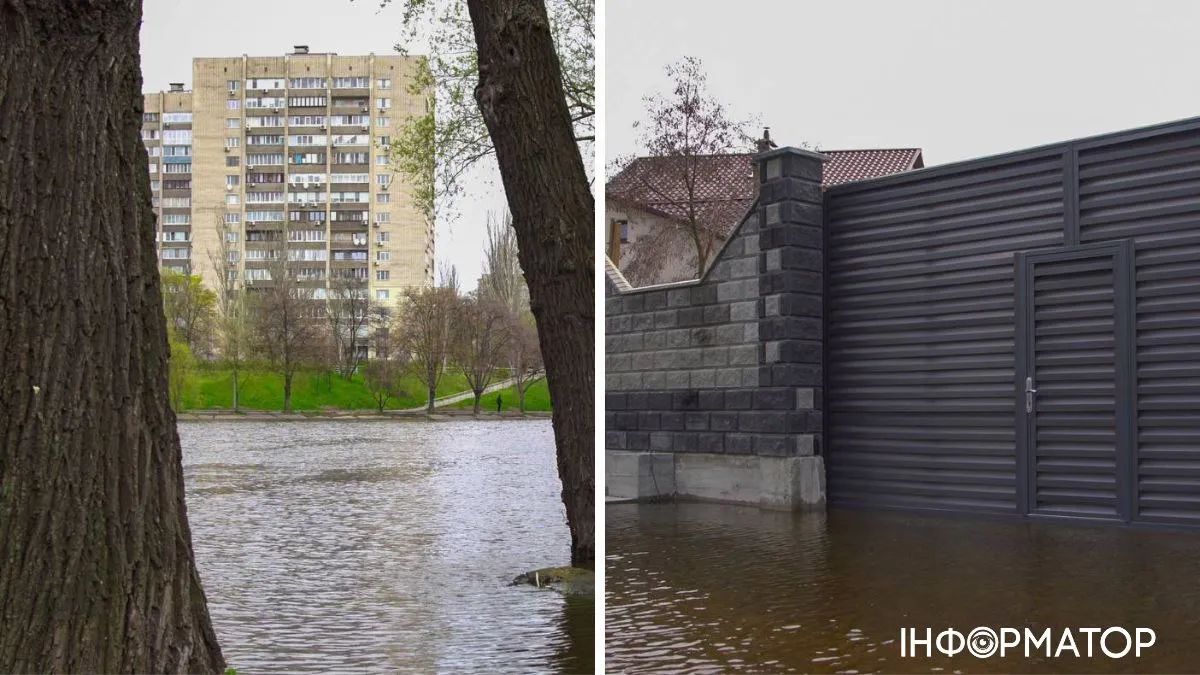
x=958 y=78
x=176 y=31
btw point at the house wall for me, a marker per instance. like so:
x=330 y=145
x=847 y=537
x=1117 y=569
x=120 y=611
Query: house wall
x=714 y=386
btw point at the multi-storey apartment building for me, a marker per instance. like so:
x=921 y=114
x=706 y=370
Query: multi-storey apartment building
x=286 y=157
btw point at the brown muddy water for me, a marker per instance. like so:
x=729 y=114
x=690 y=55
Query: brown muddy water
x=706 y=588
x=350 y=546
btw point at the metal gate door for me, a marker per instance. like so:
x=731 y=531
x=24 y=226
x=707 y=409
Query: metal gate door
x=1074 y=376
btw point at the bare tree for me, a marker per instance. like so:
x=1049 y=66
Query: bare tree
x=386 y=368
x=288 y=324
x=680 y=129
x=97 y=572
x=503 y=281
x=348 y=310
x=525 y=354
x=479 y=345
x=424 y=333
x=232 y=321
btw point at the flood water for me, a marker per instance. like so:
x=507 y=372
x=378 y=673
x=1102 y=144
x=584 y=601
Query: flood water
x=712 y=588
x=340 y=546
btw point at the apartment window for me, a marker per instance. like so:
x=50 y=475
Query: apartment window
x=382 y=275
x=177 y=137
x=307 y=120
x=177 y=151
x=306 y=197
x=381 y=159
x=308 y=157
x=343 y=197
x=307 y=83
x=154 y=201
x=383 y=237
x=233 y=256
x=309 y=254
x=233 y=85
x=263 y=236
x=381 y=294
x=266 y=102
x=383 y=217
x=349 y=255
x=306 y=139
x=233 y=219
x=383 y=103
x=174 y=236
x=351 y=177
x=261 y=254
x=231 y=237
x=351 y=82
x=351 y=157
x=264 y=83
x=306 y=178
x=269 y=159
x=177 y=118
x=350 y=120
x=253 y=178
x=233 y=104
x=383 y=179
x=233 y=142
x=253 y=274
x=176 y=219
x=385 y=141
x=383 y=83
x=185 y=167
x=383 y=256
x=233 y=181
x=233 y=123
x=178 y=184
x=150 y=117
x=150 y=135
x=233 y=160
x=307 y=101
x=154 y=151
x=153 y=168
x=177 y=202
x=264 y=197
x=265 y=139
x=306 y=235
x=263 y=216
x=382 y=122
x=232 y=199
x=352 y=139
x=265 y=121
x=306 y=216
x=175 y=254
x=383 y=198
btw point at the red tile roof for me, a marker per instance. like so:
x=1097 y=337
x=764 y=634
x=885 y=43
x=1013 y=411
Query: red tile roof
x=724 y=189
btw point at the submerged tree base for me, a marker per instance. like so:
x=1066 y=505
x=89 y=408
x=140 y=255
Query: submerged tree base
x=566 y=580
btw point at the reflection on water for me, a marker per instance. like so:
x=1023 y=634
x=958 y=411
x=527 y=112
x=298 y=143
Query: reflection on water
x=382 y=546
x=712 y=588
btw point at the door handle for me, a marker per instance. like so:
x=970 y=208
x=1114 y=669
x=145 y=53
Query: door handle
x=1029 y=392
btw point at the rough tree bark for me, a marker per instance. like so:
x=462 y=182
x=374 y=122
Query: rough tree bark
x=96 y=565
x=520 y=96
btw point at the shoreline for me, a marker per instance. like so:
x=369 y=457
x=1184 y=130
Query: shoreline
x=352 y=416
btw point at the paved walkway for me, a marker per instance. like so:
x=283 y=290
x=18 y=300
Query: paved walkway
x=469 y=395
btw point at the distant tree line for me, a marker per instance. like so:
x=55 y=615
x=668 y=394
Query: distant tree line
x=290 y=327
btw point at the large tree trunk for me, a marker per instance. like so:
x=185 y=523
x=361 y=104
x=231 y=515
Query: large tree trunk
x=521 y=98
x=429 y=402
x=478 y=398
x=96 y=565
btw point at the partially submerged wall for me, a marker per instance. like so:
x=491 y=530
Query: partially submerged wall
x=714 y=386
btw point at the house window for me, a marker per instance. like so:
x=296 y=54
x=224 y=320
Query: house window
x=232 y=160
x=382 y=275
x=232 y=181
x=232 y=199
x=233 y=142
x=383 y=237
x=383 y=103
x=381 y=122
x=383 y=256
x=233 y=104
x=233 y=123
x=233 y=85
x=382 y=294
x=383 y=83
x=383 y=198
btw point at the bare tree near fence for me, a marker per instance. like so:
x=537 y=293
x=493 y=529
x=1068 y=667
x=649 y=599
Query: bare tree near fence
x=384 y=373
x=525 y=354
x=97 y=572
x=348 y=310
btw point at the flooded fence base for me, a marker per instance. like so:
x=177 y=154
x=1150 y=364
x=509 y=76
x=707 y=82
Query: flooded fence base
x=786 y=483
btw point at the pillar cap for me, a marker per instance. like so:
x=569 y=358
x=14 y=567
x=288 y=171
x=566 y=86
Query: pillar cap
x=789 y=150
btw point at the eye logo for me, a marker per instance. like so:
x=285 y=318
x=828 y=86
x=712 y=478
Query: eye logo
x=982 y=642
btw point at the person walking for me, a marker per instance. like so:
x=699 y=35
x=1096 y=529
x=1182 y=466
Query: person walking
x=499 y=401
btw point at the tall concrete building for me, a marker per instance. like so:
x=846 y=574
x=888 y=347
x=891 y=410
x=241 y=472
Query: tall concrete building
x=286 y=156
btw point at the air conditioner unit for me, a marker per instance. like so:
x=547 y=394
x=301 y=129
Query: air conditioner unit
x=226 y=149
x=251 y=184
x=366 y=109
x=263 y=91
x=376 y=226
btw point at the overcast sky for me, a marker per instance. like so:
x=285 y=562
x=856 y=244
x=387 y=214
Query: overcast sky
x=176 y=31
x=959 y=79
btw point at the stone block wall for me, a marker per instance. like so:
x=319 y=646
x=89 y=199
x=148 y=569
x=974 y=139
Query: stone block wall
x=729 y=365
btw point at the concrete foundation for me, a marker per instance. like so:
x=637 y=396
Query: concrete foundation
x=786 y=483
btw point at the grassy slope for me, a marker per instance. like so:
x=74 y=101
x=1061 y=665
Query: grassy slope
x=537 y=397
x=212 y=388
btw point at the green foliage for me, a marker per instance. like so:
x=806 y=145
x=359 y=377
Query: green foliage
x=261 y=389
x=181 y=366
x=537 y=399
x=190 y=309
